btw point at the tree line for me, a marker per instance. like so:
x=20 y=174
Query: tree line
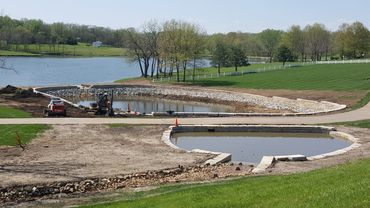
x=175 y=47
x=24 y=32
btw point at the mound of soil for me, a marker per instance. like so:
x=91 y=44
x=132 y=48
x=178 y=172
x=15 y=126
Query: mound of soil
x=9 y=89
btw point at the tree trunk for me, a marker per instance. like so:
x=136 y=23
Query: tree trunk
x=184 y=68
x=153 y=67
x=141 y=67
x=178 y=72
x=194 y=69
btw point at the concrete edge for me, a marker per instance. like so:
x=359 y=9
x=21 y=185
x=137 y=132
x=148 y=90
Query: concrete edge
x=267 y=161
x=219 y=158
x=342 y=135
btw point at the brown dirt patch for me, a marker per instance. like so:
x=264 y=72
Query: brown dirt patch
x=35 y=104
x=70 y=152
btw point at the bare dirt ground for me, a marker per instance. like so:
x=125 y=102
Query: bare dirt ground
x=126 y=156
x=35 y=104
x=69 y=152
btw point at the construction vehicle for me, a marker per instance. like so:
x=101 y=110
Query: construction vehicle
x=104 y=105
x=56 y=107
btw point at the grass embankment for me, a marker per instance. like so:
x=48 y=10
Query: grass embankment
x=17 y=53
x=82 y=49
x=6 y=112
x=361 y=124
x=342 y=186
x=346 y=77
x=207 y=71
x=26 y=132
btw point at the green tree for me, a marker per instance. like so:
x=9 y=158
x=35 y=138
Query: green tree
x=220 y=56
x=284 y=54
x=294 y=39
x=353 y=40
x=237 y=57
x=270 y=40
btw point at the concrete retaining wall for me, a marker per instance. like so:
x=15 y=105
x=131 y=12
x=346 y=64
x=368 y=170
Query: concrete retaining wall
x=267 y=161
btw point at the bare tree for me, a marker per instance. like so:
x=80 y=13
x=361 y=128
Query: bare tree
x=318 y=40
x=270 y=40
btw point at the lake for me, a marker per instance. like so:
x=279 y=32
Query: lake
x=43 y=71
x=62 y=71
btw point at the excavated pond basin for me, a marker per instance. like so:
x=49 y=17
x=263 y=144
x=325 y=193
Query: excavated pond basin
x=148 y=105
x=251 y=146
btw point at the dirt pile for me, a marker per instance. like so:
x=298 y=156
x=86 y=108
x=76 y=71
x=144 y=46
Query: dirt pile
x=9 y=89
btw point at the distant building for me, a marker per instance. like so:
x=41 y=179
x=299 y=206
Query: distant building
x=97 y=44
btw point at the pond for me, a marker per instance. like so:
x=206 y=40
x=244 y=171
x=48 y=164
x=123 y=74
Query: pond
x=44 y=71
x=251 y=147
x=63 y=71
x=148 y=105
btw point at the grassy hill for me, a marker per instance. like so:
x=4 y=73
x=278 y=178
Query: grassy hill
x=346 y=77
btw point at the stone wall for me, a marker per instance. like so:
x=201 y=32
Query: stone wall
x=299 y=106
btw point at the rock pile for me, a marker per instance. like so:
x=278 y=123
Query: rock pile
x=20 y=193
x=299 y=106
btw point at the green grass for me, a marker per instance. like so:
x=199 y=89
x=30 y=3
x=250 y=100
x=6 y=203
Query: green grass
x=6 y=112
x=214 y=70
x=342 y=186
x=346 y=77
x=130 y=79
x=365 y=100
x=26 y=132
x=15 y=53
x=81 y=49
x=361 y=124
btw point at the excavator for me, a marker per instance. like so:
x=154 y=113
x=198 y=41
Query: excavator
x=104 y=105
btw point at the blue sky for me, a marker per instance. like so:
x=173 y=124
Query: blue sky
x=213 y=15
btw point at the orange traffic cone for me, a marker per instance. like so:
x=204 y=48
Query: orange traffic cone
x=177 y=123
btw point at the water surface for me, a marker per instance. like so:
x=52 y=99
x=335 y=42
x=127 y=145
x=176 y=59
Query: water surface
x=148 y=105
x=34 y=71
x=251 y=147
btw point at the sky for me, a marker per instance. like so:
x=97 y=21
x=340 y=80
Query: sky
x=213 y=15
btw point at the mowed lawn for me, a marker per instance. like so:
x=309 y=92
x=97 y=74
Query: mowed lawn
x=6 y=112
x=346 y=77
x=26 y=132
